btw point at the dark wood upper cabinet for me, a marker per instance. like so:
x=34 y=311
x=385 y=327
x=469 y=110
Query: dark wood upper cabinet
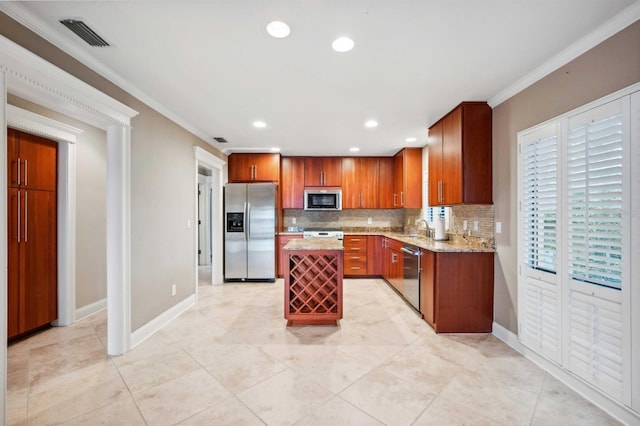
x=407 y=191
x=292 y=182
x=31 y=161
x=460 y=156
x=254 y=167
x=323 y=171
x=385 y=187
x=360 y=183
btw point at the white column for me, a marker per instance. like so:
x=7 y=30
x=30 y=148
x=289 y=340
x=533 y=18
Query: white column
x=3 y=243
x=118 y=240
x=66 y=233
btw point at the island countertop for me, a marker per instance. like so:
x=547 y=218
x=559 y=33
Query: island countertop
x=314 y=244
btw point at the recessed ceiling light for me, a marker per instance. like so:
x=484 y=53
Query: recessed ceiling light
x=278 y=29
x=342 y=44
x=371 y=124
x=410 y=139
x=259 y=124
x=354 y=149
x=275 y=149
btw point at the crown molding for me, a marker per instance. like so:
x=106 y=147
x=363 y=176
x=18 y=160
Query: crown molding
x=614 y=25
x=30 y=122
x=46 y=31
x=33 y=78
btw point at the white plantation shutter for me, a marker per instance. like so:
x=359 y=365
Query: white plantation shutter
x=579 y=244
x=596 y=348
x=539 y=298
x=541 y=318
x=539 y=203
x=594 y=196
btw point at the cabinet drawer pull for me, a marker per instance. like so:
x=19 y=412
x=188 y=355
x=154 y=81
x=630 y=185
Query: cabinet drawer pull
x=355 y=257
x=355 y=239
x=355 y=267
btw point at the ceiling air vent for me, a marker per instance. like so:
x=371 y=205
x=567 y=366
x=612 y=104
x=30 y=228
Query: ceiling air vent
x=83 y=31
x=221 y=140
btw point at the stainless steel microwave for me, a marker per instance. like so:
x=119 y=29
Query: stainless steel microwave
x=323 y=199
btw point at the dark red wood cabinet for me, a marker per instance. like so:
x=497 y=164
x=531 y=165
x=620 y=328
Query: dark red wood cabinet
x=456 y=291
x=460 y=156
x=32 y=232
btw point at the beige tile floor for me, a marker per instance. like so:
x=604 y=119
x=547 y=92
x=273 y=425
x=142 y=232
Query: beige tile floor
x=230 y=360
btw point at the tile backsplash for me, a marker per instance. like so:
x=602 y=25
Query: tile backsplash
x=348 y=219
x=397 y=220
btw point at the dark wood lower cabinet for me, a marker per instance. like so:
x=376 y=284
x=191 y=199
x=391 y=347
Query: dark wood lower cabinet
x=456 y=291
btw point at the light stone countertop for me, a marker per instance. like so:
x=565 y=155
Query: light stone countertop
x=438 y=246
x=418 y=241
x=314 y=244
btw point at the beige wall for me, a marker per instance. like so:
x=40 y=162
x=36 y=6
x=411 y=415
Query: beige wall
x=91 y=220
x=608 y=67
x=162 y=189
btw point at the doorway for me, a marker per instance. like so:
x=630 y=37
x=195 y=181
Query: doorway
x=208 y=211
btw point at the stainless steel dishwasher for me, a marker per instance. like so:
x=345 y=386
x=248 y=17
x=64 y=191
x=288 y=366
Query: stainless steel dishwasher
x=411 y=276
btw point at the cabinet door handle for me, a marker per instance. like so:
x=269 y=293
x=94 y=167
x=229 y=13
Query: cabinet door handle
x=440 y=191
x=18 y=171
x=322 y=178
x=19 y=216
x=402 y=198
x=26 y=213
x=26 y=174
x=394 y=199
x=393 y=258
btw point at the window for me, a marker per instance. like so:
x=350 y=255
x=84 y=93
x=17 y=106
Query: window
x=539 y=205
x=594 y=199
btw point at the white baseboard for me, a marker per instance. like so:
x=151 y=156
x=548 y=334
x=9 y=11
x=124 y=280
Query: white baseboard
x=90 y=309
x=621 y=413
x=141 y=334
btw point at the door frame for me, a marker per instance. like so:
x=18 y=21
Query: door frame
x=66 y=137
x=216 y=165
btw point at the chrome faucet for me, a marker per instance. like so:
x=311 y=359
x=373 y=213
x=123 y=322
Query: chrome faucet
x=426 y=226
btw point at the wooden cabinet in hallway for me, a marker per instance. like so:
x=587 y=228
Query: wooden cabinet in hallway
x=32 y=232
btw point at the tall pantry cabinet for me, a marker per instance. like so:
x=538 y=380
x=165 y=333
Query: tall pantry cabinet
x=31 y=231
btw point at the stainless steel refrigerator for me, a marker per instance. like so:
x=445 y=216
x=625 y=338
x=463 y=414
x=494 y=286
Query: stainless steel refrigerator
x=250 y=230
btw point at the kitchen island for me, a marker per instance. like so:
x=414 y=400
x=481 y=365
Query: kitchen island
x=313 y=271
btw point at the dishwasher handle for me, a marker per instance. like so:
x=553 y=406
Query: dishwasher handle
x=413 y=252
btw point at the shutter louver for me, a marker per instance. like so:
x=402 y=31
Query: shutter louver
x=595 y=342
x=594 y=186
x=540 y=204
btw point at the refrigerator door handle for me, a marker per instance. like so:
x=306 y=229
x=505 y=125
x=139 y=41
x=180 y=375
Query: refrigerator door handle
x=244 y=217
x=248 y=221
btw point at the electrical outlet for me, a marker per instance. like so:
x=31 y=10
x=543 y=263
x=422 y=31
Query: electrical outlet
x=475 y=225
x=293 y=220
x=369 y=221
x=464 y=225
x=188 y=223
x=498 y=227
x=173 y=289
